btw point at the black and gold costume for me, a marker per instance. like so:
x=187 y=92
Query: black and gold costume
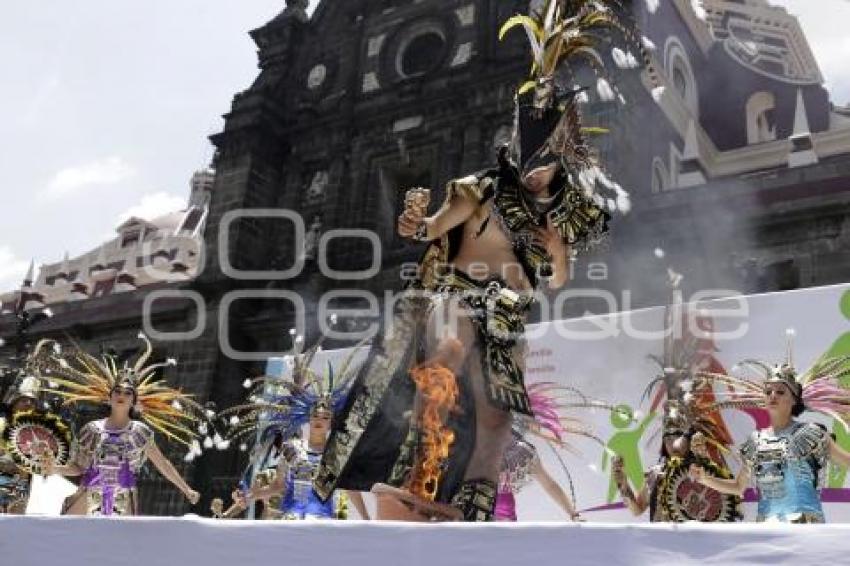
x=371 y=441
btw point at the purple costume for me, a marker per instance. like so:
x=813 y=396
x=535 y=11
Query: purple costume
x=111 y=460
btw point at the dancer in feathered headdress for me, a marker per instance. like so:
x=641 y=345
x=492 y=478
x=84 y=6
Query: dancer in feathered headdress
x=689 y=433
x=109 y=453
x=277 y=411
x=27 y=420
x=788 y=459
x=547 y=197
x=567 y=37
x=553 y=422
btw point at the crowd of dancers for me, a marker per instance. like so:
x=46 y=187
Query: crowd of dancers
x=438 y=421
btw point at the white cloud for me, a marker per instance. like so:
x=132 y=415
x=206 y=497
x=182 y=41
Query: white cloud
x=12 y=269
x=153 y=205
x=82 y=177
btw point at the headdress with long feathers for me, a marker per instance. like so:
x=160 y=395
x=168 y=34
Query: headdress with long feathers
x=80 y=377
x=565 y=35
x=554 y=420
x=820 y=388
x=685 y=399
x=554 y=406
x=689 y=410
x=281 y=406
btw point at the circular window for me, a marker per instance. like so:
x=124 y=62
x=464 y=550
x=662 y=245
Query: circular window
x=422 y=54
x=418 y=49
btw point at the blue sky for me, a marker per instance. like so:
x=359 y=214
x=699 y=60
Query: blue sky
x=106 y=107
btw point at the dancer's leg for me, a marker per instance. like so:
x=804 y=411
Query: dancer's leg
x=455 y=345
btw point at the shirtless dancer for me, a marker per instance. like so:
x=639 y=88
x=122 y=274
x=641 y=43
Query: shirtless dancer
x=499 y=236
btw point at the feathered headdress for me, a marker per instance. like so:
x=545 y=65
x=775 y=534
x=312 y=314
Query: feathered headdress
x=26 y=383
x=79 y=377
x=26 y=386
x=554 y=421
x=282 y=405
x=820 y=389
x=687 y=402
x=564 y=34
x=683 y=397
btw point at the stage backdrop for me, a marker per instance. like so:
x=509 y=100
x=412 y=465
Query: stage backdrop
x=608 y=358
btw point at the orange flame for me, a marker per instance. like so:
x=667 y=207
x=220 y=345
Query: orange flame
x=438 y=394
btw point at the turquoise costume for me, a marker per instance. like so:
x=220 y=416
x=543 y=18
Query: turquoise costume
x=788 y=467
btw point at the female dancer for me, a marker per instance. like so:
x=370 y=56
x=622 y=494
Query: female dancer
x=789 y=458
x=279 y=408
x=109 y=453
x=521 y=462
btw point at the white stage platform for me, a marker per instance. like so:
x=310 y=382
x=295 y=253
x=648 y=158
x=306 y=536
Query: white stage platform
x=40 y=541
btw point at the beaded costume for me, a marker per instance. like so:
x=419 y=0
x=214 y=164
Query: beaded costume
x=692 y=432
x=550 y=404
x=279 y=408
x=299 y=501
x=518 y=463
x=110 y=459
x=26 y=421
x=787 y=465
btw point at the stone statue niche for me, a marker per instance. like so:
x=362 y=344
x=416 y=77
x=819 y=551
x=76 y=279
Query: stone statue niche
x=317 y=189
x=311 y=239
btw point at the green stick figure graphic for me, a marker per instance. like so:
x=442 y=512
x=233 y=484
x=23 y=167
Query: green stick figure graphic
x=625 y=444
x=837 y=474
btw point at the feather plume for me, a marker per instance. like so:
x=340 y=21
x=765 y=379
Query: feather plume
x=80 y=377
x=281 y=406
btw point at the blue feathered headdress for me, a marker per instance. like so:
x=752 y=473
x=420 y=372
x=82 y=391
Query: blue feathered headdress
x=281 y=406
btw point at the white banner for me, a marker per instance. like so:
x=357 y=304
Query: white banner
x=607 y=357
